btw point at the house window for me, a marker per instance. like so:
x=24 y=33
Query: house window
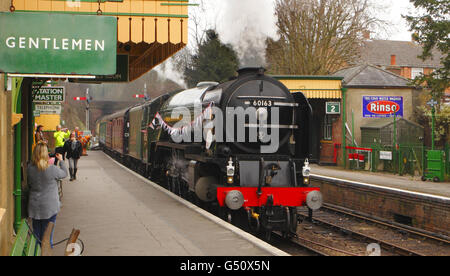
x=327 y=127
x=415 y=72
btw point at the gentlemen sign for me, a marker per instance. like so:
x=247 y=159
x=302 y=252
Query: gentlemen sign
x=47 y=43
x=49 y=95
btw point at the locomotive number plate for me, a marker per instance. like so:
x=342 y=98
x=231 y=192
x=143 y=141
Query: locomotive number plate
x=262 y=103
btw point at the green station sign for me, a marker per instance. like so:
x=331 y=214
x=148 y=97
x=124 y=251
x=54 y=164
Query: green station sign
x=52 y=43
x=333 y=108
x=49 y=94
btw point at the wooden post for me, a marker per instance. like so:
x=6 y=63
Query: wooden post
x=72 y=239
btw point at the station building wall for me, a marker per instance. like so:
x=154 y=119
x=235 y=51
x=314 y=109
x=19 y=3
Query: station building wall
x=6 y=165
x=354 y=101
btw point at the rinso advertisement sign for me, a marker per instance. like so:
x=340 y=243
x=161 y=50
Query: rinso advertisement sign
x=382 y=106
x=51 y=43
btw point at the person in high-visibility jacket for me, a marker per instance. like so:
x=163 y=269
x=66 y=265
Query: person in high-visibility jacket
x=60 y=136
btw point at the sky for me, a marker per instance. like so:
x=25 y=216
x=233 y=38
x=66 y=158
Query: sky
x=246 y=24
x=230 y=15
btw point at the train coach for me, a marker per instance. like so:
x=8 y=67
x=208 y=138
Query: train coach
x=243 y=145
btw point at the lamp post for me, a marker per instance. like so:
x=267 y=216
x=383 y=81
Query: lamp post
x=432 y=103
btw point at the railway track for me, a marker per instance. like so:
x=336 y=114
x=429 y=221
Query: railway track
x=345 y=229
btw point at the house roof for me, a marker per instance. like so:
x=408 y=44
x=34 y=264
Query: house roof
x=378 y=52
x=370 y=76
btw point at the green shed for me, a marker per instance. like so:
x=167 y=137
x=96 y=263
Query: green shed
x=381 y=131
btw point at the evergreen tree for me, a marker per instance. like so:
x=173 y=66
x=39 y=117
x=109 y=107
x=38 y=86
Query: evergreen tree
x=213 y=61
x=432 y=30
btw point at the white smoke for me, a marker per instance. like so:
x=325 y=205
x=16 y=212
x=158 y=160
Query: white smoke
x=245 y=24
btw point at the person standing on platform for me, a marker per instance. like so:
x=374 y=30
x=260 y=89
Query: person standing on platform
x=60 y=136
x=44 y=204
x=39 y=135
x=77 y=133
x=73 y=151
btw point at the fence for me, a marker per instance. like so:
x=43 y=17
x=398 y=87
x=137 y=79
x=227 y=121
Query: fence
x=403 y=160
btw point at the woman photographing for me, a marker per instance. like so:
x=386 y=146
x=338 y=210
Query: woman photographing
x=44 y=204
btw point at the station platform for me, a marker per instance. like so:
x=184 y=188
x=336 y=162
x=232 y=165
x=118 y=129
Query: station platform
x=120 y=213
x=407 y=183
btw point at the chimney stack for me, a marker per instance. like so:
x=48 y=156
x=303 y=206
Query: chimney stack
x=393 y=60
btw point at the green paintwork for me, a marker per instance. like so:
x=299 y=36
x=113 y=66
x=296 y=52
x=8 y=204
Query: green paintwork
x=435 y=165
x=18 y=164
x=50 y=43
x=25 y=244
x=16 y=84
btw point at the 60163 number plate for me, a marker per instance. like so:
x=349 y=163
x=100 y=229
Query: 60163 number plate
x=262 y=103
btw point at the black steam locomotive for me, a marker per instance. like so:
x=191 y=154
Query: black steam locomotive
x=242 y=145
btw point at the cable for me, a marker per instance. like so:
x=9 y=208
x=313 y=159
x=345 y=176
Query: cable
x=30 y=230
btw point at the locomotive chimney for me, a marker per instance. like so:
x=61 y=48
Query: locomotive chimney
x=251 y=70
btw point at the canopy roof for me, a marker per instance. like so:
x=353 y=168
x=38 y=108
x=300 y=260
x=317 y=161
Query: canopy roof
x=148 y=31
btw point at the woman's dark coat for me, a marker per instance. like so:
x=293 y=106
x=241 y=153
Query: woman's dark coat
x=75 y=154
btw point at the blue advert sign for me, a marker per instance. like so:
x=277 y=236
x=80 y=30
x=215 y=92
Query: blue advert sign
x=382 y=106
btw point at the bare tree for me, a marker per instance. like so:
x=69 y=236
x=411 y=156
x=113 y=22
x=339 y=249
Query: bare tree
x=318 y=36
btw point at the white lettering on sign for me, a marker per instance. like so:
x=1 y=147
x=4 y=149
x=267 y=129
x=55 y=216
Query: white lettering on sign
x=77 y=43
x=65 y=44
x=35 y=43
x=22 y=42
x=55 y=43
x=10 y=42
x=73 y=3
x=385 y=155
x=46 y=40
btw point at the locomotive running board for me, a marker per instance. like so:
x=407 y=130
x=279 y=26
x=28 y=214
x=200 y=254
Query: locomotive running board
x=282 y=196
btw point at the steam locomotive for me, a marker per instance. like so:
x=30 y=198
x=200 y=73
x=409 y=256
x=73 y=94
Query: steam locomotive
x=242 y=145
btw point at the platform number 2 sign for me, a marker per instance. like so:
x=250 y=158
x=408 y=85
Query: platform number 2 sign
x=333 y=108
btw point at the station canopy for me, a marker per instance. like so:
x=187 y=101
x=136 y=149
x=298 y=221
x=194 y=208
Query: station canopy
x=313 y=87
x=148 y=32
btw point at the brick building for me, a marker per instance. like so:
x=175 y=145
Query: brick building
x=401 y=58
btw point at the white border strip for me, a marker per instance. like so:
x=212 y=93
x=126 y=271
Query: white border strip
x=52 y=76
x=258 y=242
x=385 y=187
